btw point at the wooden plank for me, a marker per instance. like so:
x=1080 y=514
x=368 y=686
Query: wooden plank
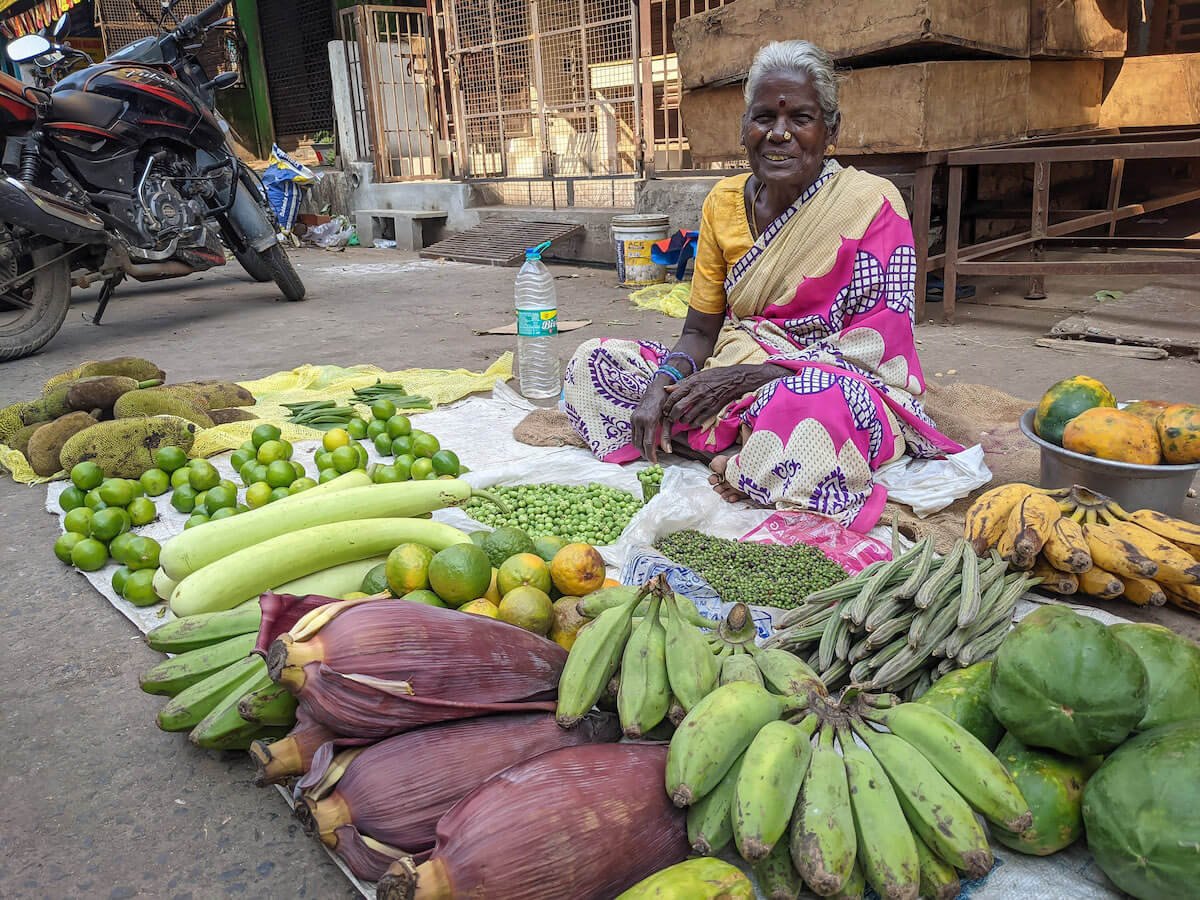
x=1091 y=348
x=716 y=47
x=1154 y=316
x=1064 y=94
x=1154 y=90
x=1092 y=29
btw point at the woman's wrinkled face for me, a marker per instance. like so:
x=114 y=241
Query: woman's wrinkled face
x=784 y=131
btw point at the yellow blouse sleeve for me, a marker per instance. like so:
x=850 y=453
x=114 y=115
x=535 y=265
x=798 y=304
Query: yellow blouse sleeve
x=708 y=278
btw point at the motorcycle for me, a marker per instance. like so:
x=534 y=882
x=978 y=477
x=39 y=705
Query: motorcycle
x=121 y=169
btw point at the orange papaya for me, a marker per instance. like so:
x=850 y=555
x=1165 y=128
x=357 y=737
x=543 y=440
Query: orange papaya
x=1065 y=401
x=1113 y=434
x=1179 y=433
x=1147 y=409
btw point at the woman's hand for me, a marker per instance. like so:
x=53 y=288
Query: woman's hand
x=699 y=397
x=647 y=419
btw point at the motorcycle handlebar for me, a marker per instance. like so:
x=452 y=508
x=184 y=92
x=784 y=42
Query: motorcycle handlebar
x=211 y=11
x=195 y=25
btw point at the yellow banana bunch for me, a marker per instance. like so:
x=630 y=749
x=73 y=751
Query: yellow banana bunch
x=988 y=516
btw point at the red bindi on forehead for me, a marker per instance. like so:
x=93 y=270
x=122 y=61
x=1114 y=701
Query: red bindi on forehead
x=782 y=102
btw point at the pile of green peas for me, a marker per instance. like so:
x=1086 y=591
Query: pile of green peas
x=590 y=514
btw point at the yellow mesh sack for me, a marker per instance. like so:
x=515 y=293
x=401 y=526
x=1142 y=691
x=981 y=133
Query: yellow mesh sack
x=671 y=299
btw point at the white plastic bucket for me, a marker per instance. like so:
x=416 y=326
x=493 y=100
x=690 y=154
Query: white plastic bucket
x=634 y=235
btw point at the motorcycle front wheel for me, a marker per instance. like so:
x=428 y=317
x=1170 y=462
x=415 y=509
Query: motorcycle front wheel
x=30 y=315
x=256 y=267
x=274 y=263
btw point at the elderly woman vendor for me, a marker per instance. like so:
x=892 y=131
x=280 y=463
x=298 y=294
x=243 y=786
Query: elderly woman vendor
x=796 y=375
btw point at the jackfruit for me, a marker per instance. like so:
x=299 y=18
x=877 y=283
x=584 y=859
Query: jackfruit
x=47 y=442
x=218 y=394
x=232 y=414
x=49 y=407
x=129 y=366
x=125 y=448
x=100 y=392
x=153 y=402
x=10 y=421
x=183 y=393
x=19 y=440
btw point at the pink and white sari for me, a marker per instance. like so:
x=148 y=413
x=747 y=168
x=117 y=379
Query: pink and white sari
x=826 y=292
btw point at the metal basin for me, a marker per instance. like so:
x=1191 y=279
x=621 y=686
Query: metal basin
x=1132 y=485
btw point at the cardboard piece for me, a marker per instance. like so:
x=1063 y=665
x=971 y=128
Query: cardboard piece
x=511 y=328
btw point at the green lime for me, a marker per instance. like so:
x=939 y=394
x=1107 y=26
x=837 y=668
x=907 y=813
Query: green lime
x=403 y=467
x=363 y=457
x=264 y=433
x=223 y=513
x=429 y=598
x=272 y=451
x=323 y=460
x=280 y=473
x=249 y=446
x=86 y=475
x=241 y=508
x=155 y=482
x=194 y=520
x=93 y=502
x=78 y=520
x=375 y=581
x=402 y=445
x=141 y=511
x=460 y=573
x=228 y=485
x=136 y=487
x=180 y=477
x=399 y=426
x=71 y=498
x=506 y=541
x=139 y=588
x=240 y=458
x=445 y=462
x=383 y=445
x=301 y=484
x=546 y=547
x=408 y=568
x=421 y=468
x=345 y=458
x=118 y=547
x=258 y=473
x=219 y=497
x=108 y=523
x=201 y=499
x=66 y=543
x=246 y=472
x=115 y=491
x=375 y=428
x=278 y=494
x=184 y=498
x=287 y=448
x=297 y=468
x=142 y=553
x=463 y=470
x=327 y=475
x=119 y=578
x=170 y=459
x=387 y=475
x=203 y=475
x=425 y=444
x=89 y=555
x=527 y=607
x=383 y=409
x=357 y=429
x=258 y=494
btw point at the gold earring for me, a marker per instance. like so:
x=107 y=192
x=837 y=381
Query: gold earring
x=829 y=150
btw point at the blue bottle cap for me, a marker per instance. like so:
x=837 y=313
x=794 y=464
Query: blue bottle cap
x=536 y=252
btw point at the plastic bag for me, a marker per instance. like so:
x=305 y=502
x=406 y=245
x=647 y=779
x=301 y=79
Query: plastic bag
x=671 y=299
x=284 y=179
x=332 y=235
x=928 y=485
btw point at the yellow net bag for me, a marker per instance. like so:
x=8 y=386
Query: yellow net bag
x=306 y=384
x=671 y=299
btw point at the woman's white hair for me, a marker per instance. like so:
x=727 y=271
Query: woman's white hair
x=798 y=58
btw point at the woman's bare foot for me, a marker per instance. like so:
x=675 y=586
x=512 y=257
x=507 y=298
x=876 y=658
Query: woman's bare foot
x=728 y=492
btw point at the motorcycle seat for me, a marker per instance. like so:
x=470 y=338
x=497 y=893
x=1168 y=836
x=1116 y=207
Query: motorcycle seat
x=85 y=108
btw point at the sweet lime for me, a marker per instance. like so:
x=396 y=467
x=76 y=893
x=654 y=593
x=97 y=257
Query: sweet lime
x=357 y=429
x=363 y=456
x=258 y=494
x=425 y=444
x=383 y=445
x=383 y=409
x=272 y=451
x=86 y=475
x=445 y=462
x=119 y=578
x=219 y=497
x=180 y=477
x=194 y=520
x=402 y=445
x=345 y=459
x=527 y=607
x=280 y=473
x=375 y=581
x=224 y=513
x=506 y=541
x=297 y=468
x=203 y=475
x=407 y=568
x=278 y=493
x=93 y=502
x=566 y=622
x=141 y=511
x=240 y=458
x=327 y=475
x=429 y=598
x=493 y=591
x=577 y=569
x=460 y=573
x=142 y=553
x=258 y=473
x=200 y=499
x=403 y=463
x=79 y=520
x=388 y=475
x=323 y=460
x=264 y=433
x=155 y=482
x=136 y=487
x=116 y=491
x=399 y=426
x=523 y=569
x=89 y=555
x=548 y=545
x=334 y=438
x=108 y=523
x=71 y=498
x=184 y=498
x=421 y=468
x=481 y=607
x=301 y=484
x=375 y=429
x=139 y=588
x=118 y=547
x=66 y=543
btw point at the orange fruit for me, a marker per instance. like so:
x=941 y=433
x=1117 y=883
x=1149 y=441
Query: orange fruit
x=566 y=622
x=577 y=569
x=522 y=569
x=493 y=591
x=481 y=607
x=528 y=608
x=611 y=582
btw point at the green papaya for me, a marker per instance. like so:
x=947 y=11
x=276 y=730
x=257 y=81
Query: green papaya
x=1172 y=666
x=1064 y=681
x=963 y=696
x=1053 y=785
x=1141 y=816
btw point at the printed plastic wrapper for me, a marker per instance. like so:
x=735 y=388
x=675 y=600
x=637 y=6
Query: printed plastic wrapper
x=929 y=485
x=849 y=549
x=332 y=235
x=283 y=179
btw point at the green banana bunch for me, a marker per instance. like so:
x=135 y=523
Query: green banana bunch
x=691 y=668
x=270 y=705
x=593 y=660
x=855 y=886
x=184 y=711
x=224 y=729
x=768 y=785
x=173 y=675
x=823 y=841
x=644 y=694
x=887 y=851
x=740 y=667
x=939 y=881
x=776 y=876
x=709 y=819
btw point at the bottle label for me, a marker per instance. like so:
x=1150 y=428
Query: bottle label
x=537 y=322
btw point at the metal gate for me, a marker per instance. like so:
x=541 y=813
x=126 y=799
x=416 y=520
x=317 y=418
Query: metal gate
x=394 y=92
x=122 y=22
x=295 y=37
x=546 y=98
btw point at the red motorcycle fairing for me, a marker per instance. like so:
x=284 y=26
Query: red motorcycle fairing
x=13 y=105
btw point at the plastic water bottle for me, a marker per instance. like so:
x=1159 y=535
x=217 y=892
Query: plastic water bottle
x=537 y=324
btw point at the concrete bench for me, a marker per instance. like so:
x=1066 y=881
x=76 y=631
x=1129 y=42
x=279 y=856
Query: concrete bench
x=409 y=225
